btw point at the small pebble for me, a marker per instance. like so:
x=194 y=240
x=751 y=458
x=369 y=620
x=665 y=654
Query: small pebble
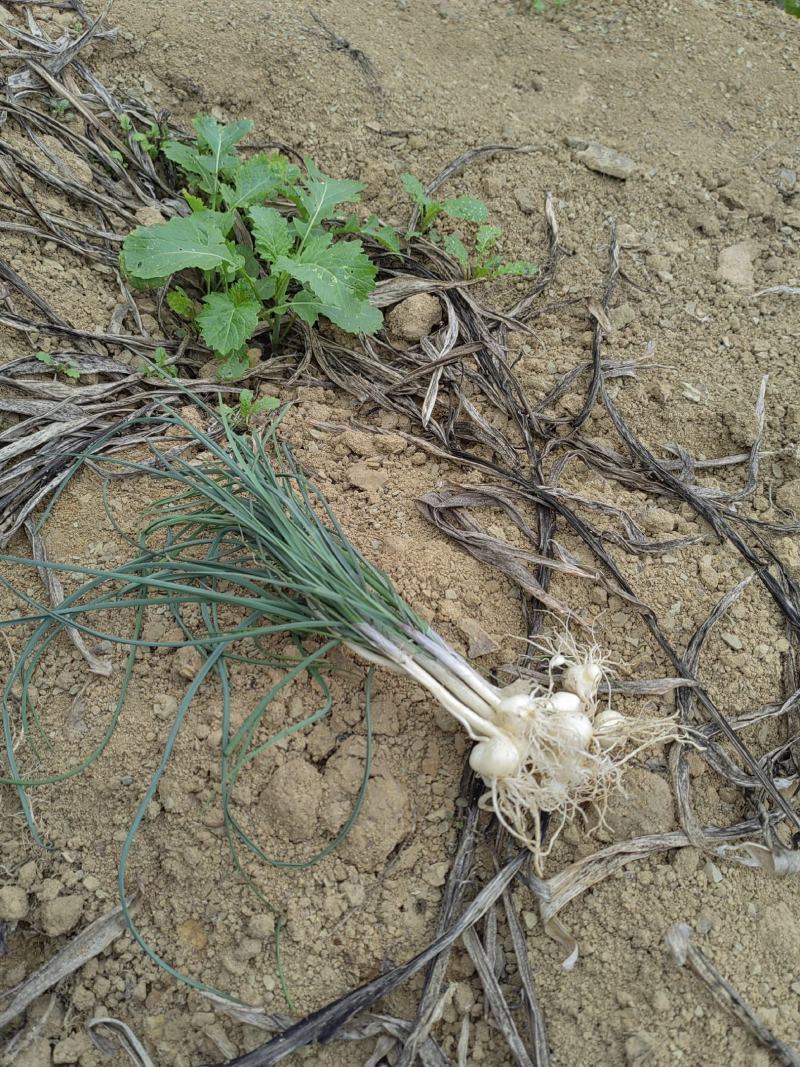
x=732 y=641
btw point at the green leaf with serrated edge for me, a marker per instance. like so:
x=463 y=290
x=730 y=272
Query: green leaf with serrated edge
x=162 y=369
x=253 y=183
x=223 y=220
x=219 y=140
x=358 y=316
x=457 y=249
x=336 y=273
x=46 y=358
x=387 y=236
x=228 y=319
x=383 y=234
x=486 y=237
x=265 y=403
x=198 y=167
x=321 y=194
x=157 y=251
x=181 y=303
x=520 y=268
x=229 y=272
x=415 y=189
x=73 y=372
x=271 y=233
x=195 y=203
x=234 y=368
x=466 y=208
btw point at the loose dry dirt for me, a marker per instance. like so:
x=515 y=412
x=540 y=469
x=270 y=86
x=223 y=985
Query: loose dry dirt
x=704 y=96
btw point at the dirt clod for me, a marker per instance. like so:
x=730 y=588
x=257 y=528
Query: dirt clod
x=384 y=821
x=37 y=1054
x=71 y=1049
x=414 y=317
x=13 y=903
x=61 y=915
x=290 y=802
x=646 y=807
x=736 y=265
x=262 y=925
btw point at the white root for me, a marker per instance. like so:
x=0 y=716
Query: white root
x=537 y=750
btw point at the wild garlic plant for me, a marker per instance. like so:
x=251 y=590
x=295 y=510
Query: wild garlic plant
x=276 y=554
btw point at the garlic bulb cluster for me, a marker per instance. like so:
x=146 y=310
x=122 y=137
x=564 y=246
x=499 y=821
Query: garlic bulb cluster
x=554 y=750
x=562 y=717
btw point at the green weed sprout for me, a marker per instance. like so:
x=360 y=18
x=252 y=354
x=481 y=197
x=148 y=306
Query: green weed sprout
x=67 y=368
x=461 y=208
x=483 y=262
x=248 y=407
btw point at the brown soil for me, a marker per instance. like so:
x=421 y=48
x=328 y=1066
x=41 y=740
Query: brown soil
x=703 y=95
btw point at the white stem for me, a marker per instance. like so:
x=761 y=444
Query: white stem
x=441 y=650
x=373 y=657
x=476 y=725
x=457 y=687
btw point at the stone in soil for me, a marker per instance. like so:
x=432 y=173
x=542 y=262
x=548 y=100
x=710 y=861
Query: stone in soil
x=186 y=662
x=480 y=643
x=528 y=201
x=607 y=161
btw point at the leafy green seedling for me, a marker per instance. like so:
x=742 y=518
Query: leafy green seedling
x=161 y=368
x=297 y=263
x=461 y=208
x=483 y=263
x=248 y=407
x=61 y=108
x=540 y=6
x=151 y=141
x=69 y=370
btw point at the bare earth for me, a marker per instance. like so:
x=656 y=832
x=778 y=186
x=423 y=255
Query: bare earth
x=704 y=95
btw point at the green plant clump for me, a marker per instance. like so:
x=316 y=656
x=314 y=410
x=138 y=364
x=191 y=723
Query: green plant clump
x=68 y=369
x=255 y=262
x=265 y=240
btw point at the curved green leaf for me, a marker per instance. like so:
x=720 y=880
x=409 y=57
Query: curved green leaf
x=336 y=273
x=466 y=208
x=158 y=251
